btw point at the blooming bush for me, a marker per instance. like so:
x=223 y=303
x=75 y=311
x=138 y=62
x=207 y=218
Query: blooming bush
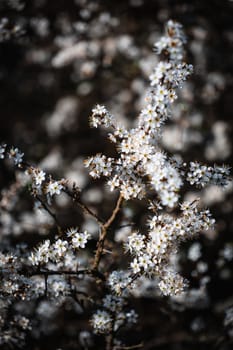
x=100 y=277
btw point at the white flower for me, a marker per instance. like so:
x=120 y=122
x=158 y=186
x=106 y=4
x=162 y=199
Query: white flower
x=145 y=262
x=136 y=243
x=101 y=321
x=132 y=317
x=114 y=183
x=16 y=155
x=71 y=232
x=135 y=266
x=60 y=247
x=42 y=254
x=39 y=177
x=33 y=258
x=54 y=187
x=79 y=239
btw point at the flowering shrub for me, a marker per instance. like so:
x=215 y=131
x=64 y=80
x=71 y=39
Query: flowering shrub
x=103 y=277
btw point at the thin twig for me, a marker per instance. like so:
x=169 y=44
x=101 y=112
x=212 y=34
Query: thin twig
x=103 y=233
x=75 y=196
x=92 y=273
x=46 y=285
x=138 y=346
x=53 y=215
x=109 y=341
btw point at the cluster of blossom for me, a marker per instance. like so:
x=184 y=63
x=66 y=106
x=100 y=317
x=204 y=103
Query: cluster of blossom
x=103 y=321
x=113 y=314
x=201 y=175
x=54 y=252
x=41 y=185
x=13 y=334
x=58 y=286
x=40 y=182
x=172 y=42
x=151 y=252
x=119 y=281
x=13 y=153
x=9 y=262
x=101 y=116
x=9 y=31
x=172 y=283
x=140 y=157
x=13 y=283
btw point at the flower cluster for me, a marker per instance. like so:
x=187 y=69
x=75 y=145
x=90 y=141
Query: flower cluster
x=172 y=42
x=101 y=116
x=201 y=175
x=172 y=284
x=78 y=239
x=113 y=316
x=44 y=185
x=13 y=283
x=14 y=332
x=54 y=252
x=151 y=252
x=141 y=160
x=118 y=281
x=100 y=165
x=13 y=153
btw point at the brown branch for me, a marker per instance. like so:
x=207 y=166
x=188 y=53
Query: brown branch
x=115 y=211
x=138 y=346
x=92 y=273
x=46 y=285
x=109 y=341
x=103 y=233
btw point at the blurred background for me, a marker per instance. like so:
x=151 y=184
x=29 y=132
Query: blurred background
x=58 y=59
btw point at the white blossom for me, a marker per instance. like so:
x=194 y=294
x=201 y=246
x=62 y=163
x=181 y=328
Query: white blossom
x=54 y=187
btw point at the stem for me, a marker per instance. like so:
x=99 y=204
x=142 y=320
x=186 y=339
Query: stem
x=103 y=233
x=93 y=273
x=138 y=346
x=46 y=285
x=75 y=196
x=53 y=215
x=109 y=341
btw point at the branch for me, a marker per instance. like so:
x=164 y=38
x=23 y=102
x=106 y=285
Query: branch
x=92 y=273
x=75 y=196
x=138 y=346
x=53 y=215
x=103 y=233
